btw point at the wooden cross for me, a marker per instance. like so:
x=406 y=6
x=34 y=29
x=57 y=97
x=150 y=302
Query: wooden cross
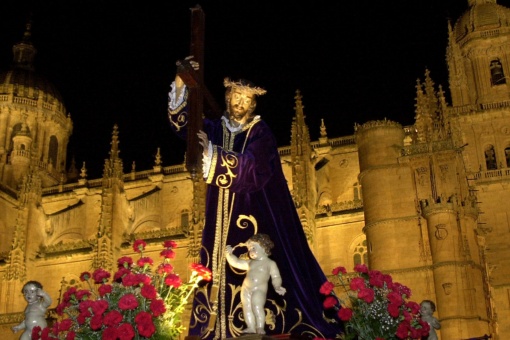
x=194 y=80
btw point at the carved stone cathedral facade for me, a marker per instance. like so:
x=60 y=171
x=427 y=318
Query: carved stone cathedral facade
x=427 y=203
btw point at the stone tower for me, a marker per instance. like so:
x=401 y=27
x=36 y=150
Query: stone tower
x=34 y=125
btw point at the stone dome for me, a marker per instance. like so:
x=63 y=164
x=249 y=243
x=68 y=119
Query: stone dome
x=482 y=16
x=22 y=81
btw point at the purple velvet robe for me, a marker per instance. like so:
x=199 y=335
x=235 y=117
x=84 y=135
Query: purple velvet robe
x=247 y=193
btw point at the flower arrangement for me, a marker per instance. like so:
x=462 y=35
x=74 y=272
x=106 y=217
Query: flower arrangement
x=139 y=303
x=376 y=307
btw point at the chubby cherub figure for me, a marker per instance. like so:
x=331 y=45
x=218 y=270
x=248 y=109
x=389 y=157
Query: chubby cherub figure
x=38 y=302
x=427 y=308
x=259 y=269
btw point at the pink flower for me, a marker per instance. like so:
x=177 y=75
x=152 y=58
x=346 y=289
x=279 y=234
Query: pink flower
x=339 y=270
x=326 y=288
x=139 y=246
x=345 y=314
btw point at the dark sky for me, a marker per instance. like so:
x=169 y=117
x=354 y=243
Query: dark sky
x=353 y=61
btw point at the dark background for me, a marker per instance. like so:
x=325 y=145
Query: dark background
x=113 y=61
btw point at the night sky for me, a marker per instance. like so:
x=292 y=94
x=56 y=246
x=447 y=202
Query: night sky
x=352 y=61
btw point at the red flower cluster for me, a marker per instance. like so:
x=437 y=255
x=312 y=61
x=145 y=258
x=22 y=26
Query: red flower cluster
x=374 y=300
x=134 y=305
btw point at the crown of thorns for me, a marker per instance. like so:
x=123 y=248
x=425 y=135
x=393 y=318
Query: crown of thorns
x=244 y=85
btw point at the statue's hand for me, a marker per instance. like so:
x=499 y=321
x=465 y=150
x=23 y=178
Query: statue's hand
x=204 y=141
x=228 y=249
x=280 y=290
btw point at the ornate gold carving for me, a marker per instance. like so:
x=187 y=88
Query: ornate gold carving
x=229 y=162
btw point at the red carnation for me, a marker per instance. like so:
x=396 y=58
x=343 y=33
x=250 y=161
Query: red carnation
x=170 y=244
x=173 y=280
x=100 y=275
x=126 y=331
x=167 y=254
x=376 y=278
x=139 y=246
x=84 y=276
x=65 y=325
x=36 y=332
x=148 y=292
x=357 y=283
x=120 y=274
x=110 y=333
x=71 y=335
x=143 y=279
x=157 y=307
x=339 y=270
x=112 y=318
x=142 y=261
x=82 y=293
x=326 y=288
x=366 y=294
x=165 y=268
x=104 y=289
x=202 y=271
x=96 y=322
x=99 y=306
x=130 y=280
x=128 y=301
x=393 y=310
x=329 y=302
x=345 y=314
x=124 y=262
x=361 y=268
x=395 y=298
x=144 y=324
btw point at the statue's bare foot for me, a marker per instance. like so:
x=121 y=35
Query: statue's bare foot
x=260 y=331
x=249 y=330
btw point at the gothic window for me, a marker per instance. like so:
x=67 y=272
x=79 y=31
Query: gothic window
x=507 y=156
x=490 y=158
x=360 y=255
x=357 y=191
x=53 y=151
x=497 y=74
x=185 y=221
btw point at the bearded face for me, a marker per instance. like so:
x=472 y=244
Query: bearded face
x=241 y=105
